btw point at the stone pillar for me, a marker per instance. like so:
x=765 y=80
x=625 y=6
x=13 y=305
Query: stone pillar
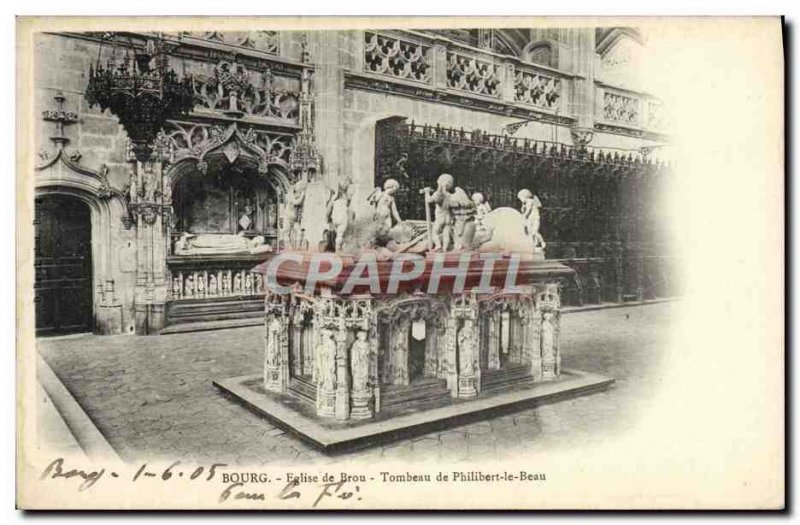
x=296 y=349
x=325 y=376
x=450 y=361
x=438 y=57
x=149 y=211
x=328 y=86
x=361 y=359
x=549 y=319
x=583 y=88
x=467 y=342
x=431 y=346
x=308 y=344
x=342 y=405
x=493 y=349
x=398 y=351
x=272 y=374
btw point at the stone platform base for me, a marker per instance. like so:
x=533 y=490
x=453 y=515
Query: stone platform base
x=331 y=436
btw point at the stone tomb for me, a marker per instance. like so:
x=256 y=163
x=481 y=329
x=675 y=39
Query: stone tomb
x=348 y=367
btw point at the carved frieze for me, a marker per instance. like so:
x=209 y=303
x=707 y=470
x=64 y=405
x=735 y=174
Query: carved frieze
x=236 y=91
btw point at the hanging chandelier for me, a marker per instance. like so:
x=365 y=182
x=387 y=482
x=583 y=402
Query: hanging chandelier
x=142 y=92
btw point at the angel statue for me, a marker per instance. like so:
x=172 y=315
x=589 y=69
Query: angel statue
x=385 y=208
x=532 y=216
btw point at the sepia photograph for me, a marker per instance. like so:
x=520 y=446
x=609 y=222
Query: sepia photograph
x=387 y=263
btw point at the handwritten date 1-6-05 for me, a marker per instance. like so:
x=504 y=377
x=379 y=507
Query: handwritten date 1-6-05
x=89 y=477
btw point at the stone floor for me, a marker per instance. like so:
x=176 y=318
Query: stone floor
x=153 y=397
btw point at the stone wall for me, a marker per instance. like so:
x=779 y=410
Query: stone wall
x=61 y=65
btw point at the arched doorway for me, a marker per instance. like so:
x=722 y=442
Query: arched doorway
x=63 y=265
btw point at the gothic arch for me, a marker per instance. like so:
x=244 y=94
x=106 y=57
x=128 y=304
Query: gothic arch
x=230 y=146
x=542 y=52
x=62 y=175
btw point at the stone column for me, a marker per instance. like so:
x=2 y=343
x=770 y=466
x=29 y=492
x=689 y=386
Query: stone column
x=150 y=291
x=549 y=320
x=438 y=58
x=342 y=405
x=493 y=343
x=325 y=365
x=450 y=360
x=467 y=341
x=583 y=89
x=328 y=87
x=361 y=359
x=398 y=351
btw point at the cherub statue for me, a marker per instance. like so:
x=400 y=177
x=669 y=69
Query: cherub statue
x=532 y=217
x=442 y=229
x=482 y=208
x=292 y=213
x=338 y=211
x=385 y=207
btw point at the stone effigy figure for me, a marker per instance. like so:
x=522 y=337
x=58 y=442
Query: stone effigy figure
x=359 y=362
x=201 y=286
x=385 y=207
x=326 y=360
x=292 y=214
x=212 y=285
x=226 y=283
x=532 y=216
x=442 y=228
x=274 y=343
x=466 y=346
x=217 y=243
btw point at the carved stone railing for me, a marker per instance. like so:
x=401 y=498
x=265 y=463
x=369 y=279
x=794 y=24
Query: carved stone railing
x=618 y=108
x=396 y=57
x=433 y=67
x=471 y=74
x=536 y=88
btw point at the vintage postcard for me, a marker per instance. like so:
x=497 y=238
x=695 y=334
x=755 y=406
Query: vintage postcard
x=400 y=263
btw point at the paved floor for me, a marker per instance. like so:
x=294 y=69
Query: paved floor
x=153 y=397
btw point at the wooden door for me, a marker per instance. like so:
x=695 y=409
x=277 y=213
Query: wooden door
x=63 y=265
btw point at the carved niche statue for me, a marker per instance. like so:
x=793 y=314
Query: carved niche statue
x=359 y=362
x=274 y=343
x=467 y=341
x=385 y=208
x=532 y=216
x=326 y=360
x=292 y=214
